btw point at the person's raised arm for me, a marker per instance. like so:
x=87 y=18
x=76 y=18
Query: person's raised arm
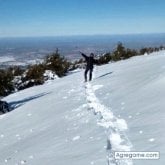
x=85 y=56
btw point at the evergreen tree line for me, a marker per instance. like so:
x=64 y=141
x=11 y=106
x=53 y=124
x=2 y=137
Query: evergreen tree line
x=122 y=53
x=16 y=78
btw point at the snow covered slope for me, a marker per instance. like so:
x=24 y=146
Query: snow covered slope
x=69 y=122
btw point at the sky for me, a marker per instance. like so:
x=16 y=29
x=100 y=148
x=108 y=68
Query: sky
x=20 y=18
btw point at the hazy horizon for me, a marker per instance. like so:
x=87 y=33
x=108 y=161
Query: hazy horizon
x=24 y=49
x=85 y=35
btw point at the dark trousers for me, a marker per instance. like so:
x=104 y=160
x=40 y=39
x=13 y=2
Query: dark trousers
x=90 y=73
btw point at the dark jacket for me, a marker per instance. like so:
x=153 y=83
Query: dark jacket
x=89 y=60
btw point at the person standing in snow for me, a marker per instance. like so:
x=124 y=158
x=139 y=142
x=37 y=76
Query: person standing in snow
x=90 y=61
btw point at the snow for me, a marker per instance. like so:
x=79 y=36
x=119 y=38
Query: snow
x=152 y=140
x=6 y=59
x=76 y=138
x=140 y=132
x=10 y=60
x=50 y=75
x=67 y=121
x=2 y=136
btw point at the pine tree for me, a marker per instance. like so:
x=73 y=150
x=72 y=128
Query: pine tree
x=57 y=63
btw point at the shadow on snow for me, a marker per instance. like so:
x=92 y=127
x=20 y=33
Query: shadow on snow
x=106 y=74
x=15 y=104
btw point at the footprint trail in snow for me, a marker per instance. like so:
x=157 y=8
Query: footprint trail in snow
x=114 y=127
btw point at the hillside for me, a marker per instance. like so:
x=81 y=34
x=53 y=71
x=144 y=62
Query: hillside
x=66 y=121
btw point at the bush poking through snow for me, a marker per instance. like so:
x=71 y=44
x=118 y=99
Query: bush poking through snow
x=57 y=64
x=6 y=86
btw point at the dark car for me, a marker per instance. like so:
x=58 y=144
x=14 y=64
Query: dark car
x=4 y=107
